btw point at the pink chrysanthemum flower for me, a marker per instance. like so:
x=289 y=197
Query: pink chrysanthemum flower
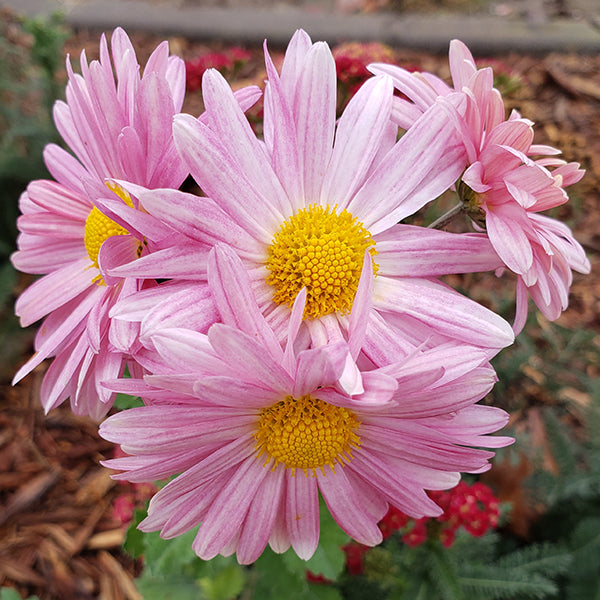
x=503 y=188
x=118 y=125
x=302 y=207
x=256 y=430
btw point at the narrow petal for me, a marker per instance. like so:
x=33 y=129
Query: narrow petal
x=357 y=140
x=406 y=250
x=302 y=513
x=444 y=310
x=346 y=507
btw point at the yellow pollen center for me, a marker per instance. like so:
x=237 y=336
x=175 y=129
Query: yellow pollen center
x=322 y=251
x=306 y=433
x=99 y=227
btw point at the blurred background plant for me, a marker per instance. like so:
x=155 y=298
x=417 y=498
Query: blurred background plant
x=31 y=61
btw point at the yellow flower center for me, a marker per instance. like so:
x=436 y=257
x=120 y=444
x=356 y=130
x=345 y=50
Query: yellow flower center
x=322 y=251
x=98 y=228
x=306 y=433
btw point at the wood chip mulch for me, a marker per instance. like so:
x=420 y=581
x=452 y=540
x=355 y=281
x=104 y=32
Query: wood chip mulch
x=58 y=536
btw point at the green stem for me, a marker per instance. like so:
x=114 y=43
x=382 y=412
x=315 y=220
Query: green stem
x=442 y=221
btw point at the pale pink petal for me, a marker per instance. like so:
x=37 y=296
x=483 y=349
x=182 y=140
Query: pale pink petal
x=314 y=113
x=406 y=250
x=509 y=239
x=248 y=357
x=424 y=163
x=220 y=178
x=347 y=508
x=51 y=291
x=227 y=512
x=443 y=309
x=239 y=141
x=238 y=309
x=462 y=65
x=357 y=141
x=200 y=219
x=261 y=517
x=302 y=513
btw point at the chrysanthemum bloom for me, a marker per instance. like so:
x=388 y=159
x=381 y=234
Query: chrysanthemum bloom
x=503 y=188
x=302 y=207
x=257 y=430
x=118 y=125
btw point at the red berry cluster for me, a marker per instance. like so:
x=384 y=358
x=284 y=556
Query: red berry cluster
x=232 y=58
x=352 y=58
x=473 y=507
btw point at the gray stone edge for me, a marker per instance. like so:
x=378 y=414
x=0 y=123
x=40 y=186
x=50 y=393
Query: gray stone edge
x=483 y=34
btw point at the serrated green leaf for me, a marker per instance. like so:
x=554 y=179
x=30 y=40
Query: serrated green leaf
x=493 y=583
x=546 y=559
x=162 y=557
x=443 y=574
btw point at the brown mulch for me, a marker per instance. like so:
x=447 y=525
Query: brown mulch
x=58 y=536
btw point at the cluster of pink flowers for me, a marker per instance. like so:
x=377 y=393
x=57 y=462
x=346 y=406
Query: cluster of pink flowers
x=226 y=62
x=289 y=335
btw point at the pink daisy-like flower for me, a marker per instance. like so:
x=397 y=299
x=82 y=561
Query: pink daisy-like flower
x=118 y=125
x=256 y=430
x=503 y=188
x=302 y=207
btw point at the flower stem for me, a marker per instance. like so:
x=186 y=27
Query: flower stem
x=442 y=221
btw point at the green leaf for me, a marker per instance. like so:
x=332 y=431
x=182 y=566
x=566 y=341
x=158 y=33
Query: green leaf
x=135 y=540
x=443 y=574
x=493 y=583
x=162 y=557
x=324 y=592
x=7 y=593
x=123 y=402
x=172 y=587
x=545 y=559
x=225 y=585
x=272 y=579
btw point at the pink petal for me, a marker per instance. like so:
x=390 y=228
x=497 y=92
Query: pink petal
x=357 y=141
x=261 y=517
x=507 y=234
x=48 y=293
x=302 y=513
x=406 y=250
x=314 y=114
x=347 y=508
x=425 y=162
x=443 y=309
x=227 y=512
